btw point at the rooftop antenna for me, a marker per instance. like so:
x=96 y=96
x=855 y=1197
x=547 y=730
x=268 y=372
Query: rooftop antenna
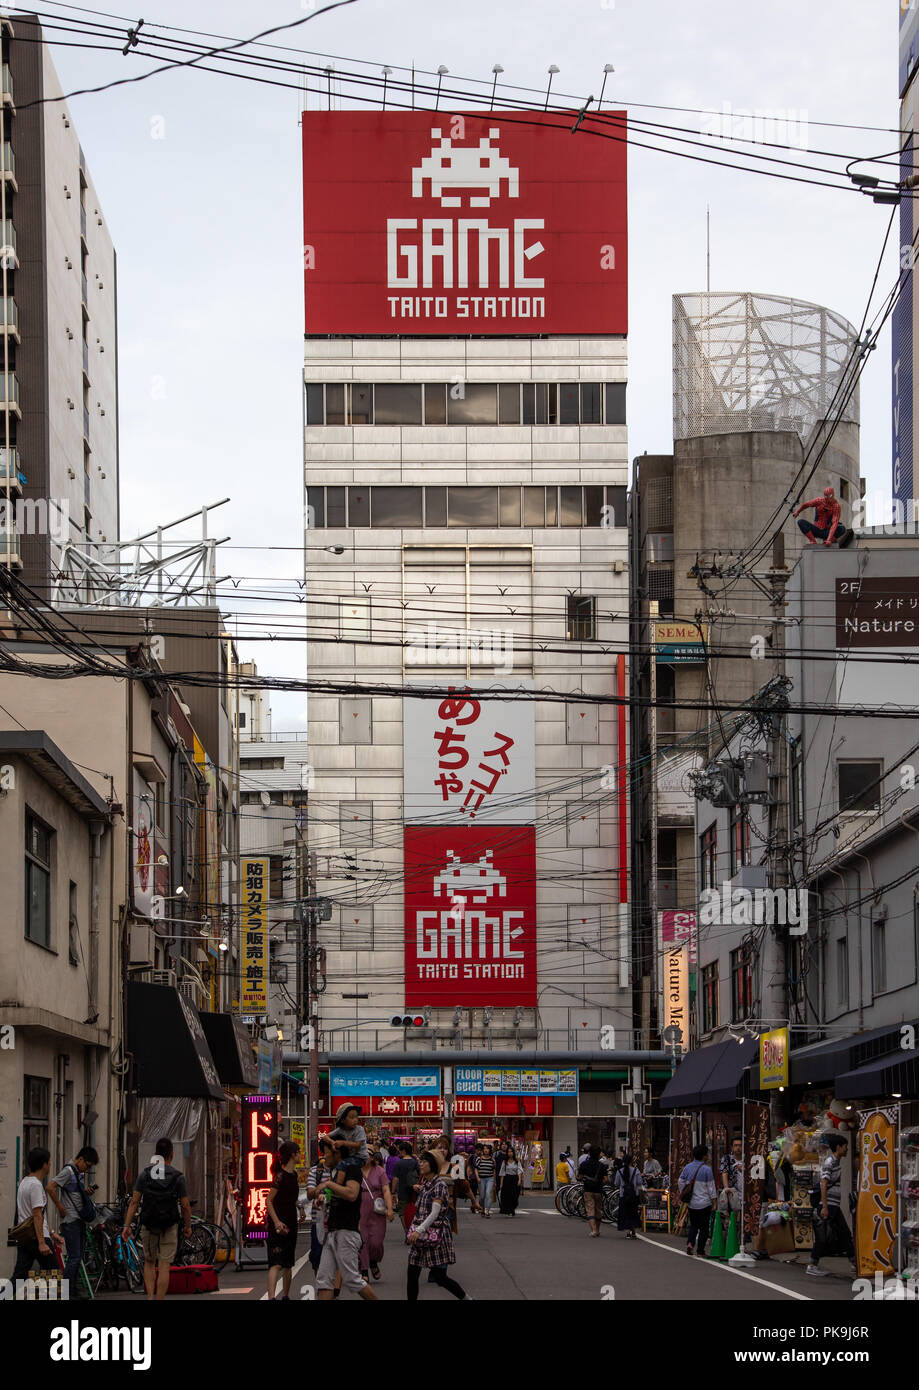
x=413 y=84
x=708 y=249
x=496 y=70
x=607 y=69
x=552 y=70
x=387 y=74
x=328 y=72
x=441 y=72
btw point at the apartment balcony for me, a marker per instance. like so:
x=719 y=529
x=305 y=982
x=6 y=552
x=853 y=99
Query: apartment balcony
x=9 y=393
x=86 y=424
x=86 y=361
x=8 y=249
x=7 y=88
x=9 y=543
x=84 y=291
x=83 y=223
x=9 y=317
x=10 y=480
x=8 y=165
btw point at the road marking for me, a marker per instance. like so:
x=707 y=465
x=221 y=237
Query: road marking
x=230 y=1291
x=789 y=1293
x=298 y=1266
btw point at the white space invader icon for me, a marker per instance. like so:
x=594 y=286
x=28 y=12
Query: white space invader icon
x=479 y=167
x=481 y=880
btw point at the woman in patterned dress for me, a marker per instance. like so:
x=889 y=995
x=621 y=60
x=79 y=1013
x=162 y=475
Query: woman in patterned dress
x=432 y=1215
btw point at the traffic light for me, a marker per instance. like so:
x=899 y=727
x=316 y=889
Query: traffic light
x=407 y=1021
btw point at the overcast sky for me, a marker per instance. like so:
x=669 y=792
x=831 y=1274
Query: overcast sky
x=200 y=180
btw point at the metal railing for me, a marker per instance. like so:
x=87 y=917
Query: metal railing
x=9 y=465
x=501 y=1039
x=300 y=736
x=8 y=160
x=7 y=83
x=9 y=389
x=9 y=314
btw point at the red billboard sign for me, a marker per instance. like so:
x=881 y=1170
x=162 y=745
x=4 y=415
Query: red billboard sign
x=470 y=915
x=445 y=223
x=259 y=1143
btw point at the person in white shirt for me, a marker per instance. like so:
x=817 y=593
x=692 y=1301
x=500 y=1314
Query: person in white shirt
x=32 y=1201
x=696 y=1186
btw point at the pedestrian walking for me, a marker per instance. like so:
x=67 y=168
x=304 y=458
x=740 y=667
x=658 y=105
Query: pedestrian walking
x=472 y=1179
x=341 y=1249
x=630 y=1188
x=593 y=1176
x=32 y=1205
x=282 y=1218
x=162 y=1195
x=376 y=1214
x=696 y=1185
x=395 y=1153
x=486 y=1180
x=509 y=1185
x=404 y=1186
x=430 y=1235
x=315 y=1191
x=831 y=1231
x=563 y=1171
x=70 y=1194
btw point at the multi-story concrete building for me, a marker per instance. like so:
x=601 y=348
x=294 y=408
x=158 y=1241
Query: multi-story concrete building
x=273 y=789
x=59 y=426
x=754 y=377
x=466 y=530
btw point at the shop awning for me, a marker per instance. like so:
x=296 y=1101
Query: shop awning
x=821 y=1063
x=170 y=1052
x=895 y=1074
x=709 y=1075
x=231 y=1049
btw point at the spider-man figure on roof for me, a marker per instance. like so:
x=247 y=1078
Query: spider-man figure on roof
x=826 y=525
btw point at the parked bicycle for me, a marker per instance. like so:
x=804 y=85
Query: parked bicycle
x=569 y=1200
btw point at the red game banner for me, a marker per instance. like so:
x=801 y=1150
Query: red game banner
x=421 y=222
x=470 y=915
x=431 y=1107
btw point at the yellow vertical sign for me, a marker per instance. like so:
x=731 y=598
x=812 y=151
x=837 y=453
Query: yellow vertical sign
x=676 y=991
x=876 y=1216
x=773 y=1059
x=253 y=993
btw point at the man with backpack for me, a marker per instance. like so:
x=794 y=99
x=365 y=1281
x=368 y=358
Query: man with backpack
x=696 y=1186
x=162 y=1196
x=69 y=1193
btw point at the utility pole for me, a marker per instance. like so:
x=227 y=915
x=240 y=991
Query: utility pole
x=649 y=1000
x=311 y=984
x=775 y=962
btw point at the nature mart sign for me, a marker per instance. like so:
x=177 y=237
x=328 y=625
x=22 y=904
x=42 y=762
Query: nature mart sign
x=420 y=222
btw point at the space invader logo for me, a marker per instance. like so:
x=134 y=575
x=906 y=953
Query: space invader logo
x=479 y=167
x=479 y=881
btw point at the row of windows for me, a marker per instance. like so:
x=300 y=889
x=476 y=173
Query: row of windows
x=467 y=403
x=513 y=506
x=741 y=990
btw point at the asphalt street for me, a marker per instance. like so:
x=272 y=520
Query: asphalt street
x=539 y=1256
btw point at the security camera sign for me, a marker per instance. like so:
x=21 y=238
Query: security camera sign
x=470 y=915
x=434 y=222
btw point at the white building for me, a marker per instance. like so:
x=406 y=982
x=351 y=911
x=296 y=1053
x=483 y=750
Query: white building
x=58 y=333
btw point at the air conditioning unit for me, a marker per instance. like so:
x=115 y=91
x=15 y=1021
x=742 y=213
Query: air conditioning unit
x=164 y=977
x=188 y=987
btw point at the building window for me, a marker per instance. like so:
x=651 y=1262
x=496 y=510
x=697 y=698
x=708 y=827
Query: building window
x=261 y=764
x=581 y=624
x=466 y=403
x=708 y=856
x=159 y=804
x=73 y=928
x=879 y=956
x=36 y=1112
x=741 y=984
x=276 y=875
x=842 y=972
x=38 y=881
x=472 y=506
x=859 y=786
x=397 y=507
x=709 y=997
x=740 y=838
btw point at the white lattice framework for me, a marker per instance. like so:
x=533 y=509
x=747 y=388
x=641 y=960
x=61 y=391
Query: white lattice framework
x=745 y=362
x=143 y=572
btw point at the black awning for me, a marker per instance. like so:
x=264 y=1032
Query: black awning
x=231 y=1049
x=167 y=1042
x=823 y=1062
x=895 y=1074
x=709 y=1075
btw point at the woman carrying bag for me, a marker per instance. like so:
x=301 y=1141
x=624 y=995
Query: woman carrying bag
x=430 y=1237
x=631 y=1190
